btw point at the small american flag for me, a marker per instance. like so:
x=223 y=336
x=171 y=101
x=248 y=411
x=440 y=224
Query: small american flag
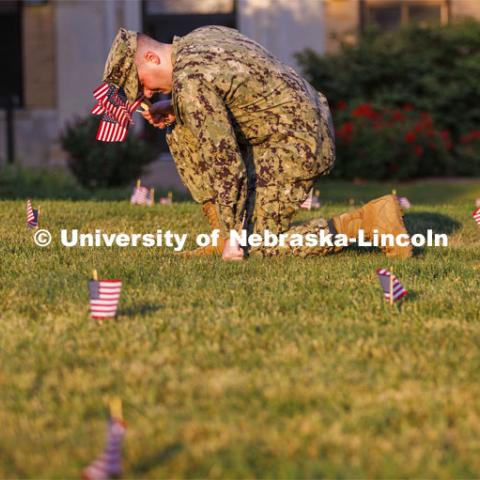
x=307 y=204
x=32 y=215
x=168 y=200
x=109 y=464
x=104 y=297
x=398 y=291
x=116 y=112
x=404 y=203
x=476 y=215
x=142 y=196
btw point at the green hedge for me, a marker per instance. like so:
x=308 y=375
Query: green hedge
x=435 y=71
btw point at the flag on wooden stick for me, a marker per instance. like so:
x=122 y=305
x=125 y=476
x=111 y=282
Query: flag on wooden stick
x=116 y=112
x=104 y=297
x=142 y=195
x=109 y=463
x=476 y=215
x=392 y=288
x=168 y=200
x=32 y=215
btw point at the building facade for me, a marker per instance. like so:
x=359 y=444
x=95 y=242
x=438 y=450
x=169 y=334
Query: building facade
x=55 y=49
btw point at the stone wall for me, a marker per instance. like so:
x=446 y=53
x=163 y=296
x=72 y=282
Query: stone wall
x=65 y=44
x=36 y=133
x=39 y=56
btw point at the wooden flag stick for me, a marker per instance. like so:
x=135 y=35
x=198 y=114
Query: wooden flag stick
x=115 y=406
x=138 y=183
x=152 y=196
x=145 y=105
x=391 y=287
x=95 y=275
x=170 y=196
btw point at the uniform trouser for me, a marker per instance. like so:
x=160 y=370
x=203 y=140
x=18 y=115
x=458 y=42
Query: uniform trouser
x=270 y=206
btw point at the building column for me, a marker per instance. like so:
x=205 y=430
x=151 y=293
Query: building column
x=282 y=26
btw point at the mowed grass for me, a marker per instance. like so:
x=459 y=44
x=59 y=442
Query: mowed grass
x=277 y=368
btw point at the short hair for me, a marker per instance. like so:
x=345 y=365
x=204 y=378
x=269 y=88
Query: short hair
x=145 y=42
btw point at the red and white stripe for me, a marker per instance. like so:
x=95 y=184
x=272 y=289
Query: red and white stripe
x=398 y=290
x=140 y=196
x=101 y=90
x=120 y=114
x=307 y=204
x=109 y=464
x=476 y=215
x=30 y=215
x=114 y=131
x=135 y=104
x=105 y=305
x=111 y=132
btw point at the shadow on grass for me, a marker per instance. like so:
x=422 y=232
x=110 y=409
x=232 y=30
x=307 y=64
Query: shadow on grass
x=147 y=464
x=145 y=309
x=421 y=222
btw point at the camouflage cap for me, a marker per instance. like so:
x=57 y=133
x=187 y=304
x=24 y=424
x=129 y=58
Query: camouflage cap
x=120 y=68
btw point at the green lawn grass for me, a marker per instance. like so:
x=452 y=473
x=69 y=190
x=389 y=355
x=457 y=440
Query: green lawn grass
x=278 y=368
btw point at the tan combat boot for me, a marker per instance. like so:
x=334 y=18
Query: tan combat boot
x=210 y=212
x=382 y=215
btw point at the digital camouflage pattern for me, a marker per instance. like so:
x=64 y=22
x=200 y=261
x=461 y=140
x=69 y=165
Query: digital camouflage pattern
x=250 y=133
x=120 y=68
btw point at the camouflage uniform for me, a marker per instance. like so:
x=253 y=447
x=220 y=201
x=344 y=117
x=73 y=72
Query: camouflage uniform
x=250 y=133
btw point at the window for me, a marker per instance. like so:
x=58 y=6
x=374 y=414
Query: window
x=389 y=15
x=11 y=52
x=165 y=18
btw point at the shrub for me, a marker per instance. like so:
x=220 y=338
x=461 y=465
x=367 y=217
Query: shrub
x=435 y=69
x=21 y=182
x=99 y=164
x=389 y=143
x=469 y=152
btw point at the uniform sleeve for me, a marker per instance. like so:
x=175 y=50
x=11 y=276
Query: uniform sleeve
x=202 y=110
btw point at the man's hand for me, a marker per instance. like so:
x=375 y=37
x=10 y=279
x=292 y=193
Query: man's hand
x=232 y=253
x=160 y=114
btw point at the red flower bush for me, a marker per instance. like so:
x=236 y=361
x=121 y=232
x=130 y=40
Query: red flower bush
x=365 y=111
x=385 y=143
